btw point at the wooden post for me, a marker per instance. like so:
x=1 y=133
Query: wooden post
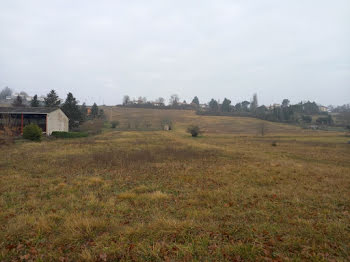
x=22 y=124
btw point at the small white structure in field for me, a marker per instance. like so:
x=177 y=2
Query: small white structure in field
x=49 y=119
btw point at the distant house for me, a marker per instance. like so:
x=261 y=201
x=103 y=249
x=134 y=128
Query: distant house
x=323 y=108
x=47 y=118
x=270 y=107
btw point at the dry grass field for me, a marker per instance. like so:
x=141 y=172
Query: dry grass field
x=165 y=196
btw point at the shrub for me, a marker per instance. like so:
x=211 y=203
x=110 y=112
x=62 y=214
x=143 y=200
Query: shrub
x=326 y=120
x=194 y=130
x=114 y=124
x=306 y=118
x=166 y=124
x=32 y=132
x=61 y=134
x=274 y=143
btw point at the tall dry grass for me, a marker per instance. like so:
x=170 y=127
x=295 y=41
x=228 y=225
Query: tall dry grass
x=156 y=196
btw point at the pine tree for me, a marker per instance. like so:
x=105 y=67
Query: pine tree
x=195 y=101
x=226 y=105
x=18 y=102
x=71 y=109
x=52 y=99
x=213 y=105
x=34 y=102
x=83 y=112
x=254 y=103
x=94 y=111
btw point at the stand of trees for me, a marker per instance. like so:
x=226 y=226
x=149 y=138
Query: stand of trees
x=284 y=112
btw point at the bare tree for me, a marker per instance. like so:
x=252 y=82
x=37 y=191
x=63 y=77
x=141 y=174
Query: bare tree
x=160 y=100
x=126 y=100
x=174 y=100
x=9 y=125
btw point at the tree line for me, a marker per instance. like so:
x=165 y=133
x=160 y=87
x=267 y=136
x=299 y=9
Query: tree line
x=285 y=112
x=75 y=112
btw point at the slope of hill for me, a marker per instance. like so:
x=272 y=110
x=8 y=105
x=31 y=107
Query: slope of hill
x=182 y=118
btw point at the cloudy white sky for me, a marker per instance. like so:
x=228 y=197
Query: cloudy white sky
x=102 y=50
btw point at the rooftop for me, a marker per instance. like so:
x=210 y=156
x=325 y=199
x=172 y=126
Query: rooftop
x=27 y=110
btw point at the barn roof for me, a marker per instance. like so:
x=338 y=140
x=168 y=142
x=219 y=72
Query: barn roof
x=27 y=110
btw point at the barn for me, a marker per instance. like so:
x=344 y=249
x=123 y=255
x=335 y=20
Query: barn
x=49 y=119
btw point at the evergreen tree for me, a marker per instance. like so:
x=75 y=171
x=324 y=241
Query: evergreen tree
x=245 y=105
x=71 y=109
x=83 y=112
x=254 y=103
x=94 y=111
x=5 y=92
x=225 y=107
x=18 y=102
x=238 y=107
x=213 y=105
x=52 y=99
x=195 y=101
x=285 y=103
x=34 y=102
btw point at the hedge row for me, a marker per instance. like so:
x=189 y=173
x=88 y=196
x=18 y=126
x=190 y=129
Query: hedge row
x=61 y=134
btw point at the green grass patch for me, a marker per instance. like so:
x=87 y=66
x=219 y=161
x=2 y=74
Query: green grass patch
x=61 y=134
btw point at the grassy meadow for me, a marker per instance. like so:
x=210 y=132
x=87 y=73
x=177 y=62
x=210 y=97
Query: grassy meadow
x=137 y=193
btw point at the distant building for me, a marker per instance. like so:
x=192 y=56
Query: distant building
x=26 y=99
x=323 y=108
x=157 y=104
x=270 y=107
x=47 y=118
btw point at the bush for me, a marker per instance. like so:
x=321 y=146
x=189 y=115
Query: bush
x=326 y=120
x=114 y=124
x=306 y=118
x=61 y=134
x=194 y=130
x=32 y=132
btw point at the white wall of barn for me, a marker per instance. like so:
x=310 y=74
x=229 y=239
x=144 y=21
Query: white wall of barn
x=57 y=121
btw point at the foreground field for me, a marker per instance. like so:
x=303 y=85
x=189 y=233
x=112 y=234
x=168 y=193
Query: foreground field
x=156 y=196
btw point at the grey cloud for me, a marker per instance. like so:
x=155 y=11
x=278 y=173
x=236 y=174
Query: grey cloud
x=101 y=50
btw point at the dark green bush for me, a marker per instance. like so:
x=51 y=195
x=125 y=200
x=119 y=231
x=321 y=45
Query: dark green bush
x=306 y=118
x=114 y=124
x=326 y=120
x=194 y=130
x=61 y=134
x=32 y=132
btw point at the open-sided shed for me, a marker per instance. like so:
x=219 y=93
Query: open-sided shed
x=47 y=118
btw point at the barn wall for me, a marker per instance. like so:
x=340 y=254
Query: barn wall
x=57 y=121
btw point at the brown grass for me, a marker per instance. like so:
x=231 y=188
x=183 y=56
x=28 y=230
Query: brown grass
x=162 y=195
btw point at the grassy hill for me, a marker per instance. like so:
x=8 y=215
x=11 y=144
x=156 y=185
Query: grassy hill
x=183 y=118
x=163 y=195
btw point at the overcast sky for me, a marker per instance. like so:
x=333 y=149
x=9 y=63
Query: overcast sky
x=102 y=50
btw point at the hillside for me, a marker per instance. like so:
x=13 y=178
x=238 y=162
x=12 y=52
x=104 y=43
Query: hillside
x=183 y=118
